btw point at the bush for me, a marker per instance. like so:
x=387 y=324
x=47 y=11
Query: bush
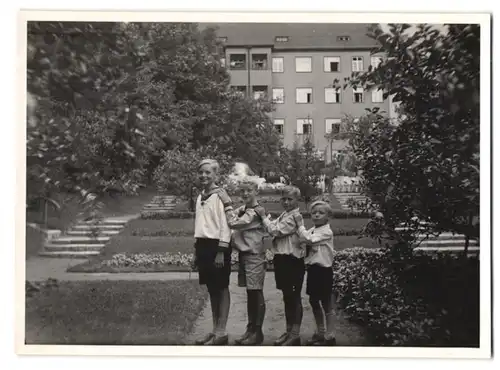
x=430 y=300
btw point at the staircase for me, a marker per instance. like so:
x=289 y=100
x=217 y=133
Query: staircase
x=159 y=204
x=447 y=241
x=343 y=198
x=84 y=239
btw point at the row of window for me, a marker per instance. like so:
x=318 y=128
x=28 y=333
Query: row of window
x=304 y=95
x=305 y=125
x=302 y=64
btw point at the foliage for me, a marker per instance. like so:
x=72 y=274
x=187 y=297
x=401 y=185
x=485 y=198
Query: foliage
x=432 y=301
x=302 y=168
x=108 y=101
x=177 y=173
x=425 y=165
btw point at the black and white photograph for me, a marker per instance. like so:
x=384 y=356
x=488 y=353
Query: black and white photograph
x=194 y=182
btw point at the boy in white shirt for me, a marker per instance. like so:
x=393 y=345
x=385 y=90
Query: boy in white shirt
x=248 y=238
x=289 y=268
x=212 y=252
x=319 y=261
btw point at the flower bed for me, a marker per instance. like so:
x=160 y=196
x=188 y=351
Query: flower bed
x=166 y=215
x=429 y=300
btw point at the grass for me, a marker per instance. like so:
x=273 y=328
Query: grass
x=127 y=243
x=114 y=313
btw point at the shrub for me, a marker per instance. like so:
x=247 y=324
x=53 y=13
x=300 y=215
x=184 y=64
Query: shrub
x=431 y=300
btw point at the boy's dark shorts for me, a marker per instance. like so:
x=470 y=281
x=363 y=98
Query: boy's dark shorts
x=213 y=277
x=319 y=281
x=289 y=272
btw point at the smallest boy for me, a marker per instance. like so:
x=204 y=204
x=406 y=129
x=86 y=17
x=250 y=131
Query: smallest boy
x=319 y=261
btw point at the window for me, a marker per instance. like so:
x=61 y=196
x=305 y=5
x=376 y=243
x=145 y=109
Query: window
x=278 y=65
x=357 y=64
x=240 y=89
x=375 y=61
x=377 y=96
x=279 y=124
x=332 y=125
x=259 y=61
x=331 y=64
x=281 y=39
x=259 y=92
x=278 y=96
x=304 y=95
x=343 y=38
x=304 y=126
x=332 y=95
x=303 y=64
x=357 y=95
x=237 y=61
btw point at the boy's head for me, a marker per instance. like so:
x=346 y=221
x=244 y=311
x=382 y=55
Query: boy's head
x=248 y=191
x=208 y=172
x=290 y=197
x=320 y=211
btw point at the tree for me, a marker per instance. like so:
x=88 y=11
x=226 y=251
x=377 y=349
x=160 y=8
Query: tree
x=426 y=165
x=178 y=171
x=302 y=168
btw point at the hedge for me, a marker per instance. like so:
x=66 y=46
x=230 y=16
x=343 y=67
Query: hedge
x=432 y=299
x=166 y=215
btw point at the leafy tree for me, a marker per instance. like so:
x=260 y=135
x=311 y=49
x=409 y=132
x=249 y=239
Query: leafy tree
x=302 y=168
x=426 y=165
x=178 y=171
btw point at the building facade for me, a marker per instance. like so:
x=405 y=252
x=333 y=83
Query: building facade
x=295 y=65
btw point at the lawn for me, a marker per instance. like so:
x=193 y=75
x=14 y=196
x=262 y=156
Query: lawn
x=114 y=313
x=158 y=237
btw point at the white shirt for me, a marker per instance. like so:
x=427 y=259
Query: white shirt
x=210 y=220
x=284 y=233
x=321 y=241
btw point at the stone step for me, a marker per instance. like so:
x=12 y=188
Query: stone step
x=158 y=209
x=106 y=221
x=81 y=240
x=100 y=227
x=448 y=249
x=159 y=205
x=447 y=242
x=69 y=254
x=99 y=232
x=72 y=247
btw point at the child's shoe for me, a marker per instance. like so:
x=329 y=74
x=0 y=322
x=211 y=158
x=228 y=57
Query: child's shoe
x=244 y=336
x=316 y=340
x=205 y=339
x=254 y=339
x=330 y=341
x=292 y=341
x=282 y=339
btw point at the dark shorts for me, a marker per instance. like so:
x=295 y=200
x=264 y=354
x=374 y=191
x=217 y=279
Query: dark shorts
x=319 y=281
x=289 y=272
x=213 y=277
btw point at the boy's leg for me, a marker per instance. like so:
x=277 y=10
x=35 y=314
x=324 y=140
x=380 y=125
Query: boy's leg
x=327 y=303
x=256 y=336
x=255 y=276
x=251 y=318
x=297 y=271
x=288 y=306
x=214 y=301
x=319 y=318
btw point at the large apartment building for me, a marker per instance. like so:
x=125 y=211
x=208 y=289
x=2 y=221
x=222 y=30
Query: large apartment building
x=295 y=66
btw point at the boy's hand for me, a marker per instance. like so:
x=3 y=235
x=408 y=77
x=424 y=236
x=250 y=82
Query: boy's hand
x=299 y=220
x=224 y=196
x=219 y=259
x=261 y=212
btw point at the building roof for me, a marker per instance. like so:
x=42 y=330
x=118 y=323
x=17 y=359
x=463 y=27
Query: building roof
x=300 y=35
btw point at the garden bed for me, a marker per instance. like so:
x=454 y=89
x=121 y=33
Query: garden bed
x=113 y=313
x=174 y=254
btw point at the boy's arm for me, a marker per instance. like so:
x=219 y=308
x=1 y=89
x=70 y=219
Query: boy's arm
x=241 y=222
x=280 y=228
x=316 y=237
x=224 y=230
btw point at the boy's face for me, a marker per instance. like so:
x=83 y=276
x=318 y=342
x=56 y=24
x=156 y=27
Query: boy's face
x=248 y=194
x=206 y=175
x=319 y=216
x=289 y=202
